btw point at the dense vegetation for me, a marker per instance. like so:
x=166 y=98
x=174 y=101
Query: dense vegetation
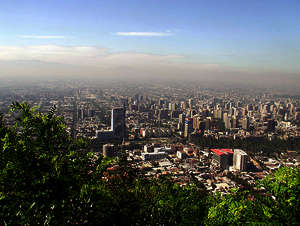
x=48 y=178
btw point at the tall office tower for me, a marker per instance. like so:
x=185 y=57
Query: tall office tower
x=215 y=113
x=181 y=118
x=234 y=122
x=191 y=102
x=180 y=126
x=227 y=121
x=196 y=122
x=182 y=105
x=118 y=122
x=225 y=117
x=220 y=114
x=172 y=106
x=245 y=123
x=240 y=159
x=188 y=127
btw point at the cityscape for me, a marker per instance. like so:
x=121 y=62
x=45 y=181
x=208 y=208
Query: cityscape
x=182 y=130
x=130 y=112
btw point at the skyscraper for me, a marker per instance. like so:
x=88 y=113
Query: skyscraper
x=181 y=118
x=188 y=127
x=245 y=123
x=118 y=122
x=240 y=160
x=191 y=102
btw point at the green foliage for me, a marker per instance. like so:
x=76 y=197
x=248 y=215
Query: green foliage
x=239 y=207
x=47 y=178
x=284 y=187
x=42 y=170
x=278 y=205
x=167 y=203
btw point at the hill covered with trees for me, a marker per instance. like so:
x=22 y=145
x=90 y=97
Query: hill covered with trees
x=48 y=178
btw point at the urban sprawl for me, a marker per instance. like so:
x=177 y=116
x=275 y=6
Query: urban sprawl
x=223 y=138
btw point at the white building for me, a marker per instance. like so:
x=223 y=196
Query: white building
x=181 y=155
x=153 y=156
x=240 y=159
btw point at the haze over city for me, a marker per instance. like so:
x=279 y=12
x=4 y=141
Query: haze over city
x=148 y=112
x=255 y=42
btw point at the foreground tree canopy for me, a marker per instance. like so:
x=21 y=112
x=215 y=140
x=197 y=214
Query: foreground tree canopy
x=48 y=178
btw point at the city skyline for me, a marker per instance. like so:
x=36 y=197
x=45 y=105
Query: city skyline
x=195 y=39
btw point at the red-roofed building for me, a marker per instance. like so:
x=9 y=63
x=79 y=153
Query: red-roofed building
x=227 y=150
x=222 y=157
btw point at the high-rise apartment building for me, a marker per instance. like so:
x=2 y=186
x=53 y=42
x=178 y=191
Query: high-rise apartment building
x=240 y=159
x=245 y=123
x=118 y=122
x=196 y=122
x=188 y=127
x=181 y=118
x=191 y=102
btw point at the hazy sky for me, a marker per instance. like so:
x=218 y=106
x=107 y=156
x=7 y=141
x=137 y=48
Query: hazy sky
x=149 y=36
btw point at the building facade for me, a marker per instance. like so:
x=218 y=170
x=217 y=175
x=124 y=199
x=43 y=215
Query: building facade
x=118 y=122
x=240 y=159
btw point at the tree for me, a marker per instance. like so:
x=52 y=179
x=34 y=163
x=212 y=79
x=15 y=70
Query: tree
x=284 y=188
x=47 y=178
x=277 y=204
x=42 y=170
x=239 y=207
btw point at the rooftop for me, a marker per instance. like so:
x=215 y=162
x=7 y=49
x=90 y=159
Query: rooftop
x=222 y=151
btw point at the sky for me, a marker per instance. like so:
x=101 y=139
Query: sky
x=143 y=38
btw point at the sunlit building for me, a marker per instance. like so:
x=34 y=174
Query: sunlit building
x=240 y=159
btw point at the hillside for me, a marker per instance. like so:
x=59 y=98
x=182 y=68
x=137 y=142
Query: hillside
x=48 y=178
